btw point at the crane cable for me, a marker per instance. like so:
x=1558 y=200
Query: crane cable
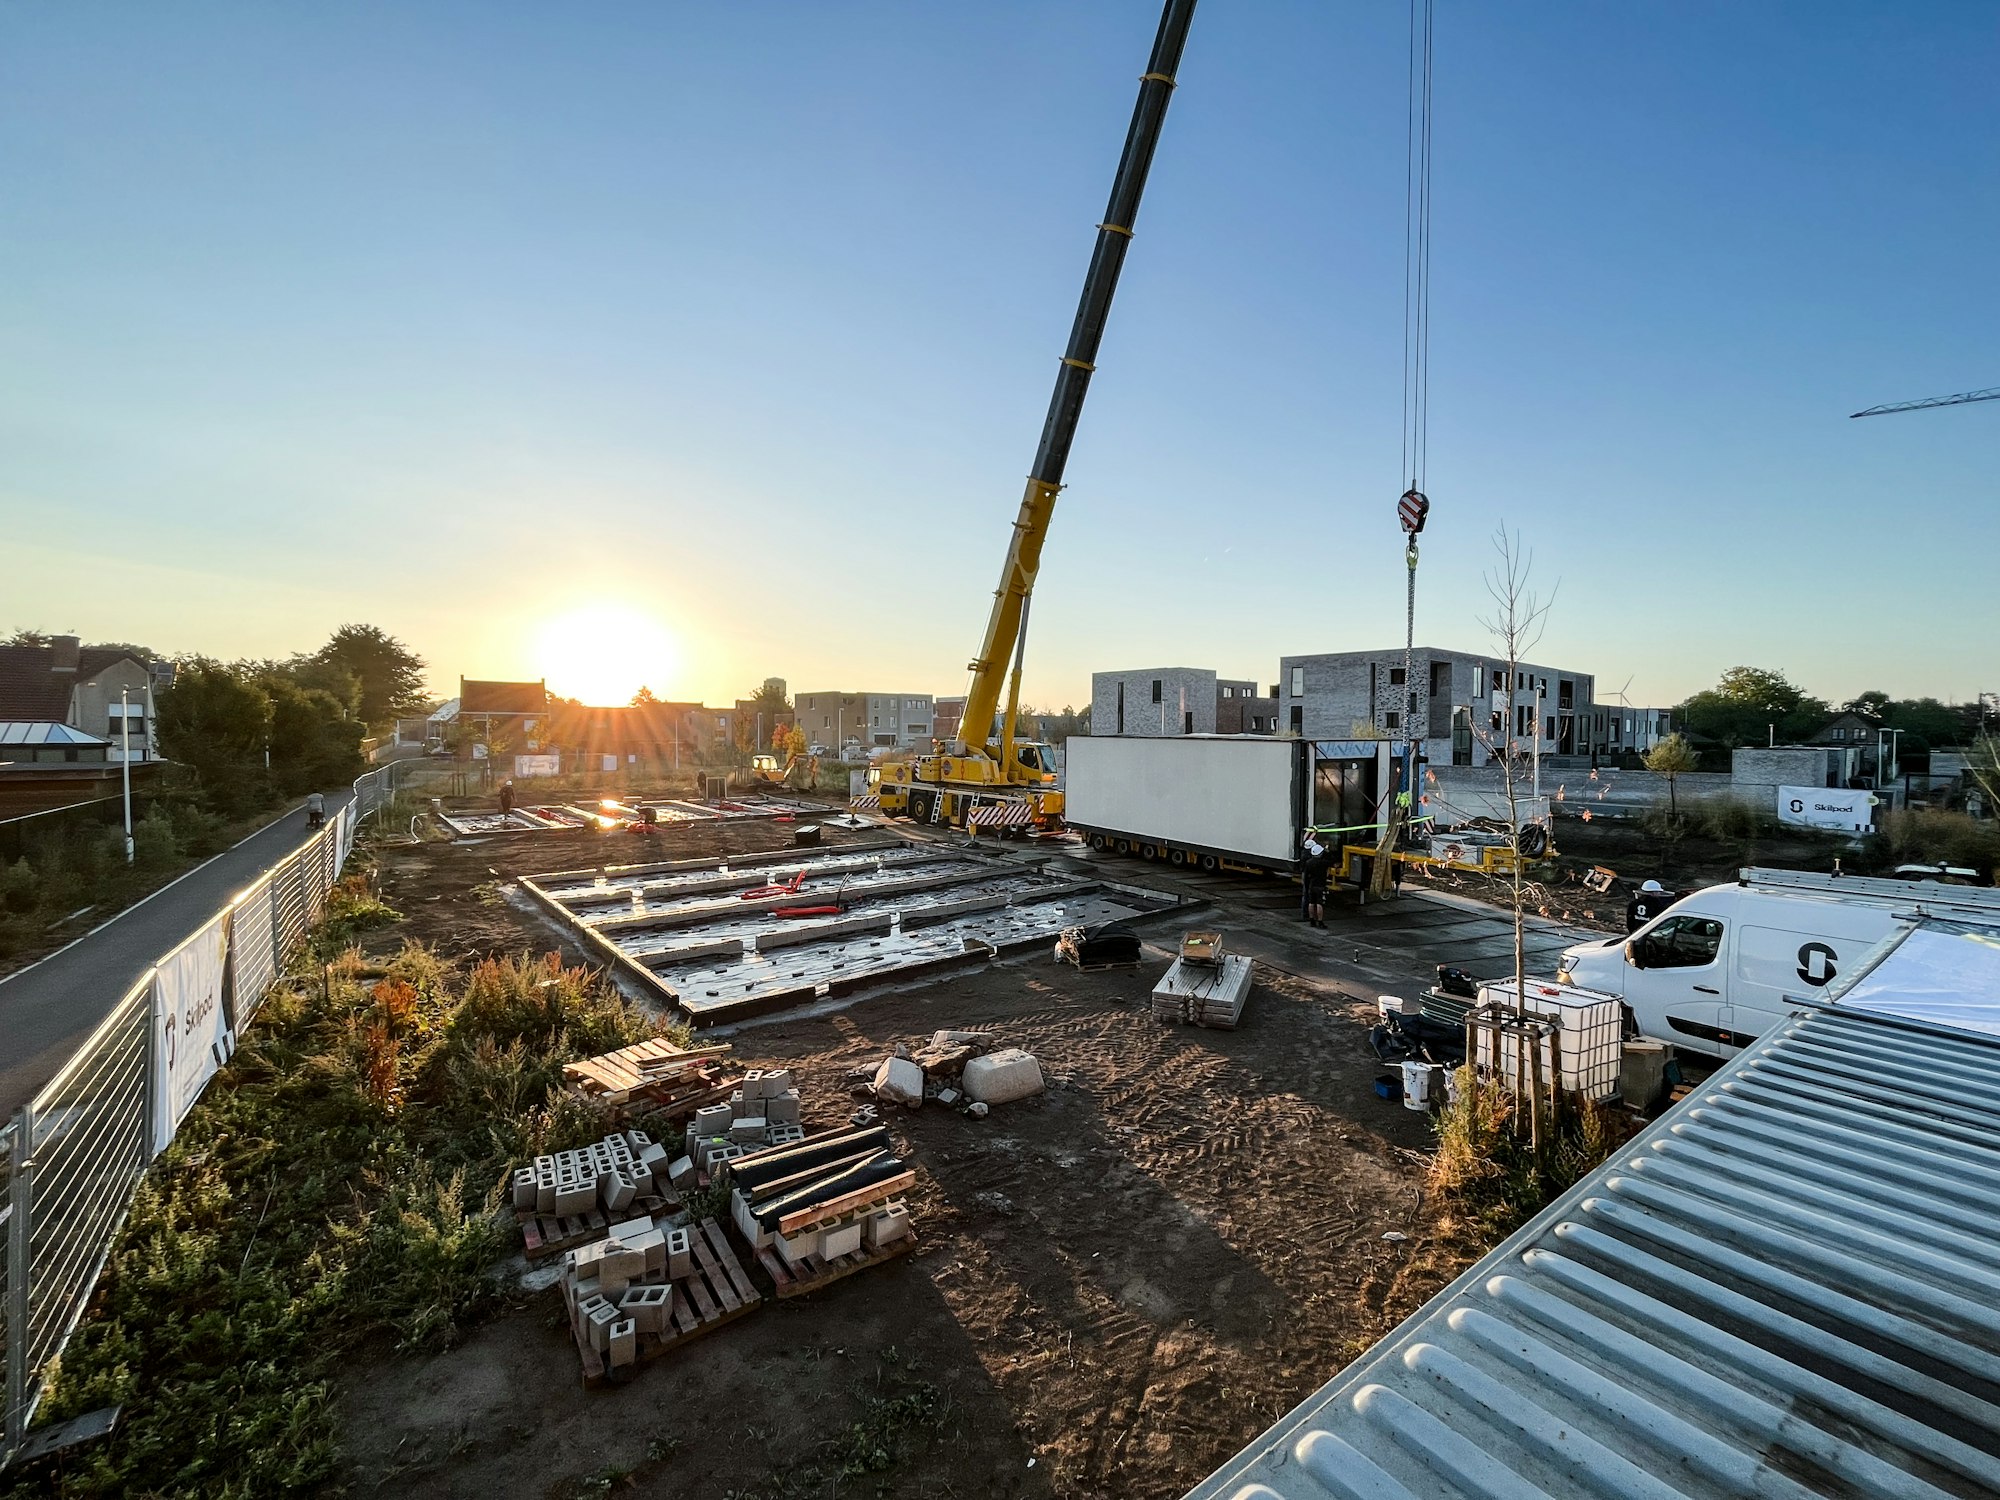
x=1414 y=506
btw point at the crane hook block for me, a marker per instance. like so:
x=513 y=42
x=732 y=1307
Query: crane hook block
x=1412 y=510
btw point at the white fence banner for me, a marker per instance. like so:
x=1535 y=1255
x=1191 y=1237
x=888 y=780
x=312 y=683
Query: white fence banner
x=190 y=1025
x=1827 y=807
x=538 y=765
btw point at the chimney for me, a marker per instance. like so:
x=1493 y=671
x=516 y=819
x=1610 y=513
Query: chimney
x=67 y=649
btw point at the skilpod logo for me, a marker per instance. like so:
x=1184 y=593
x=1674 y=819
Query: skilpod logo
x=1816 y=962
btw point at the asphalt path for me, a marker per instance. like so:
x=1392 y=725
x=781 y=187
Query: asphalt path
x=49 y=1007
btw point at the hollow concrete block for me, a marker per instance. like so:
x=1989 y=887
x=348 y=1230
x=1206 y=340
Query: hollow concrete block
x=623 y=1339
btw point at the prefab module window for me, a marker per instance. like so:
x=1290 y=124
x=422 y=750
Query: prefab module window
x=1156 y=690
x=1298 y=682
x=1396 y=677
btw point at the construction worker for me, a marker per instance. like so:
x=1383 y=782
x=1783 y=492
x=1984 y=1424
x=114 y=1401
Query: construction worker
x=315 y=810
x=1312 y=880
x=506 y=798
x=1647 y=902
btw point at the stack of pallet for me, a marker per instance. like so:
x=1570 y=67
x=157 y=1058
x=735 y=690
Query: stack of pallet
x=1205 y=986
x=824 y=1207
x=654 y=1075
x=645 y=1288
x=563 y=1198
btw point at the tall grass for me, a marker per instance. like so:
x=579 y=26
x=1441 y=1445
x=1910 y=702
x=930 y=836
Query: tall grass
x=339 y=1181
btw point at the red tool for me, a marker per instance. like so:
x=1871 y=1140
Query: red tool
x=789 y=888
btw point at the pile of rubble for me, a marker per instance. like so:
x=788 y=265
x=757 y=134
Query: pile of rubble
x=955 y=1069
x=763 y=1111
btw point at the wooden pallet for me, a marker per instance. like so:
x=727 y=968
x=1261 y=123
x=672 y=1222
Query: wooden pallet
x=545 y=1235
x=718 y=1291
x=811 y=1274
x=642 y=1069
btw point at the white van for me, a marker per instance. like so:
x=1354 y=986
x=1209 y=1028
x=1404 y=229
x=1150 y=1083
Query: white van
x=1718 y=969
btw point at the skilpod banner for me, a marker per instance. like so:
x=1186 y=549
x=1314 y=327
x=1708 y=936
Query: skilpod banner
x=1826 y=807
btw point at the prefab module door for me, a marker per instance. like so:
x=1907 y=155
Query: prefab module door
x=1344 y=797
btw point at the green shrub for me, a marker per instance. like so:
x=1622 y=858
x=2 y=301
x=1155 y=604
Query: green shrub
x=20 y=887
x=1929 y=836
x=199 y=830
x=156 y=843
x=1731 y=820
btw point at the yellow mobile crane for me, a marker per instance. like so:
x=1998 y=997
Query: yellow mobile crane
x=998 y=781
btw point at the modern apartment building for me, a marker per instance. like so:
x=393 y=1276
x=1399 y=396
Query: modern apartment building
x=897 y=721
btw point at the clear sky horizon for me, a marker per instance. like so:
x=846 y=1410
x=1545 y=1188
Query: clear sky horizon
x=736 y=326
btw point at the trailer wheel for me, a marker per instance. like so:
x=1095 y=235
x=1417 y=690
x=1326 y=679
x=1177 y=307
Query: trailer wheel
x=1176 y=857
x=1099 y=842
x=1209 y=864
x=1124 y=846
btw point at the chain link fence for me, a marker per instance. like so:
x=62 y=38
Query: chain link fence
x=71 y=1158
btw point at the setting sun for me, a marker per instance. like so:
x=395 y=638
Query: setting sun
x=604 y=653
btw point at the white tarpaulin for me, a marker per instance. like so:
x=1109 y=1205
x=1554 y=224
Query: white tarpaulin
x=1944 y=973
x=190 y=1025
x=1827 y=807
x=538 y=765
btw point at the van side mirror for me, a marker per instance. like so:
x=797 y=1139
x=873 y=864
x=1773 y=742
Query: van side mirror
x=1635 y=953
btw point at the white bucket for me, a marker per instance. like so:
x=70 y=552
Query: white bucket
x=1395 y=1005
x=1417 y=1085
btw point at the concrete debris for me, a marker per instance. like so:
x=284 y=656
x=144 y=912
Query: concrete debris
x=899 y=1081
x=978 y=1109
x=1002 y=1077
x=866 y=1115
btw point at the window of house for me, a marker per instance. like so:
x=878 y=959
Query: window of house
x=1521 y=721
x=1550 y=732
x=1499 y=680
x=1229 y=692
x=1298 y=719
x=1392 y=720
x=1396 y=677
x=1121 y=708
x=1187 y=722
x=1498 y=722
x=1156 y=690
x=1298 y=682
x=1440 y=678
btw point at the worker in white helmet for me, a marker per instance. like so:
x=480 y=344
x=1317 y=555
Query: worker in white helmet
x=1647 y=902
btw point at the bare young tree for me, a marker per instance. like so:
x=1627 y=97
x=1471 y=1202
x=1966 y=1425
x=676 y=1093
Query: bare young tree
x=1520 y=615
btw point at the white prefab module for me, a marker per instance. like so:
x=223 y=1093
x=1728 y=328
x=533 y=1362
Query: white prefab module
x=1209 y=798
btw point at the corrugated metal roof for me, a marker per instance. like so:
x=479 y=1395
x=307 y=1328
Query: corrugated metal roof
x=1788 y=1285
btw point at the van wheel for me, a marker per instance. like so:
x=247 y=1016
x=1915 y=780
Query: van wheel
x=1209 y=864
x=1176 y=857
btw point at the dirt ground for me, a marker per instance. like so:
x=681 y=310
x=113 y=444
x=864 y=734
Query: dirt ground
x=1118 y=1284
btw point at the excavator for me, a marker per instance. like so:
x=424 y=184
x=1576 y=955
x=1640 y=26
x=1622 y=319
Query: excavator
x=988 y=779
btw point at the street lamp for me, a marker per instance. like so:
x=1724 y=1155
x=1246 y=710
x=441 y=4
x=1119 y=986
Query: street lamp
x=125 y=764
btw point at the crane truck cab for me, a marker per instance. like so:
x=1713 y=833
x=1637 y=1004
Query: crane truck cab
x=950 y=787
x=1718 y=969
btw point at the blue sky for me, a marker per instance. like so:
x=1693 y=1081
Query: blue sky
x=462 y=318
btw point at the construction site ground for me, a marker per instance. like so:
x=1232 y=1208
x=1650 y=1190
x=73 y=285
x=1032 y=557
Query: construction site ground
x=1119 y=1282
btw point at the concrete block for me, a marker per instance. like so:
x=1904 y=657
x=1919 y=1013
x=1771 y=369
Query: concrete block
x=630 y=1229
x=610 y=1283
x=545 y=1190
x=653 y=1160
x=888 y=1226
x=782 y=1109
x=749 y=1128
x=624 y=1341
x=712 y=1119
x=785 y=1135
x=724 y=1154
x=844 y=1240
x=777 y=1081
x=899 y=1081
x=575 y=1197
x=949 y=1096
x=622 y=1259
x=619 y=1193
x=588 y=1288
x=650 y=1307
x=1004 y=1076
x=598 y=1321
x=524 y=1190
x=753 y=1085
x=795 y=1248
x=680 y=1259
x=638 y=1140
x=680 y=1172
x=746 y=1225
x=587 y=1258
x=653 y=1245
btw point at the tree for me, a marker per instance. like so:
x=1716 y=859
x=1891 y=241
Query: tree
x=1983 y=766
x=215 y=722
x=1869 y=704
x=769 y=698
x=314 y=741
x=644 y=698
x=391 y=676
x=1671 y=758
x=1520 y=614
x=1748 y=705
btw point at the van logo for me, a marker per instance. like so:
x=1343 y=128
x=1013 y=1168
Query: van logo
x=1816 y=963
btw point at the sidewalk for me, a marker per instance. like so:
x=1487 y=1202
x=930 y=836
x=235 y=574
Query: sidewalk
x=49 y=1007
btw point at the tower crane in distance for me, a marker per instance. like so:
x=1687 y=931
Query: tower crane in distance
x=1010 y=782
x=1925 y=405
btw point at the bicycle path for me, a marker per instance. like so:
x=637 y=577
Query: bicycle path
x=49 y=1007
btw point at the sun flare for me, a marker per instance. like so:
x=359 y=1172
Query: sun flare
x=604 y=653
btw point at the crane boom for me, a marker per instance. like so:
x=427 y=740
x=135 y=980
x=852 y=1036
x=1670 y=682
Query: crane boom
x=1006 y=627
x=1958 y=400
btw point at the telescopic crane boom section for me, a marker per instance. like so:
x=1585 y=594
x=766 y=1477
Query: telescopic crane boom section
x=1005 y=636
x=1925 y=405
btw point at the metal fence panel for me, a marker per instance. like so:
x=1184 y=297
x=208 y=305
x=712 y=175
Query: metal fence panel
x=84 y=1146
x=253 y=963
